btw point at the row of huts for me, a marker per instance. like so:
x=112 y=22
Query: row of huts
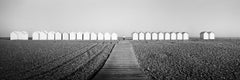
x=19 y=35
x=160 y=36
x=44 y=35
x=205 y=35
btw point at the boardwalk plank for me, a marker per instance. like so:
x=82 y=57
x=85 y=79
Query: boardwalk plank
x=121 y=65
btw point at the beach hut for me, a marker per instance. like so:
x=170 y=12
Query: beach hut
x=148 y=36
x=141 y=36
x=79 y=36
x=179 y=36
x=107 y=36
x=173 y=36
x=135 y=36
x=204 y=35
x=100 y=36
x=43 y=35
x=23 y=35
x=20 y=35
x=211 y=35
x=86 y=36
x=58 y=36
x=93 y=36
x=65 y=36
x=14 y=35
x=36 y=35
x=160 y=36
x=51 y=35
x=185 y=36
x=167 y=36
x=72 y=36
x=154 y=36
x=114 y=36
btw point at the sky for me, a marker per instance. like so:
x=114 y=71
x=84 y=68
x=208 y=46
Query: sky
x=121 y=16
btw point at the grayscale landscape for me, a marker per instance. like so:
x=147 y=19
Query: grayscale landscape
x=119 y=40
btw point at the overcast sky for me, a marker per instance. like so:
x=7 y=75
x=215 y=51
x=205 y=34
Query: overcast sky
x=121 y=16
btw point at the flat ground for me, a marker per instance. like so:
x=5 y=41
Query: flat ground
x=52 y=60
x=189 y=60
x=121 y=65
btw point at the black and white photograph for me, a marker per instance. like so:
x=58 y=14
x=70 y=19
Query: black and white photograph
x=119 y=39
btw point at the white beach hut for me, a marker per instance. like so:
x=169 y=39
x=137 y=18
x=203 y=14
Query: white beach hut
x=204 y=35
x=107 y=36
x=20 y=35
x=211 y=35
x=14 y=35
x=179 y=36
x=79 y=36
x=86 y=36
x=100 y=36
x=135 y=36
x=141 y=36
x=148 y=36
x=51 y=35
x=93 y=36
x=58 y=36
x=23 y=35
x=154 y=36
x=36 y=35
x=160 y=36
x=173 y=36
x=167 y=36
x=185 y=36
x=114 y=36
x=72 y=36
x=65 y=36
x=43 y=35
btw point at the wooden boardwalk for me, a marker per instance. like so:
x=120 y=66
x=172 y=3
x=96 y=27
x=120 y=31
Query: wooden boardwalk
x=121 y=65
